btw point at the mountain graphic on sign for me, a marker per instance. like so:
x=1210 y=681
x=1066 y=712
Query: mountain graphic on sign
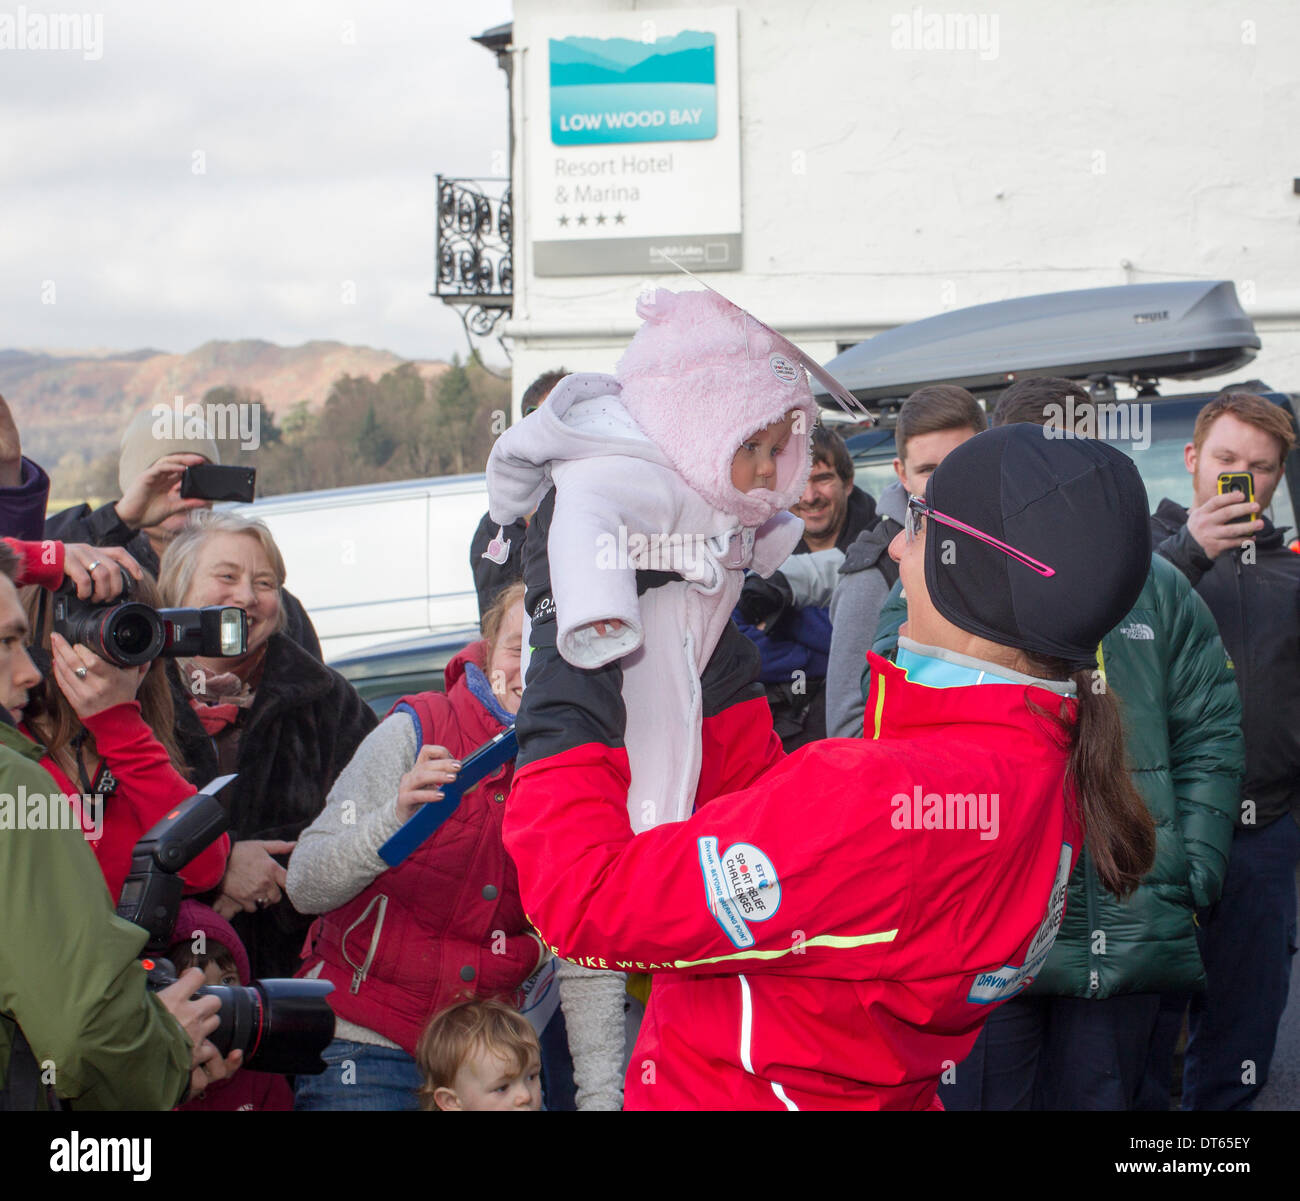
x=686 y=57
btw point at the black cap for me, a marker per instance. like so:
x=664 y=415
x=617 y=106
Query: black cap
x=1076 y=505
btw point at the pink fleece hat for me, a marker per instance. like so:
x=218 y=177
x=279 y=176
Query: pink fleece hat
x=700 y=377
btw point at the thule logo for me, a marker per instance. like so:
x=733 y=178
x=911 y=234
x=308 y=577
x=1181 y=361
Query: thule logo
x=1147 y=318
x=1138 y=632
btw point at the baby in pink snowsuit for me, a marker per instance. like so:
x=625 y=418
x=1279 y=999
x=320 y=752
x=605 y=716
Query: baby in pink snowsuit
x=685 y=460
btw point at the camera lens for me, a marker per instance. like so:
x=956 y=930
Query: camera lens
x=129 y=635
x=281 y=1025
x=238 y=1019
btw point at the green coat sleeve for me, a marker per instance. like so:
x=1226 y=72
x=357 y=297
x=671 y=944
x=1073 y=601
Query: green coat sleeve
x=1206 y=749
x=69 y=975
x=885 y=642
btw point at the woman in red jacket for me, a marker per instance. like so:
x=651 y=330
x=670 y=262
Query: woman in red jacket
x=108 y=738
x=402 y=943
x=830 y=929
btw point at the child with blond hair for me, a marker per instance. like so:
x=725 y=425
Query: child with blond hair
x=480 y=1055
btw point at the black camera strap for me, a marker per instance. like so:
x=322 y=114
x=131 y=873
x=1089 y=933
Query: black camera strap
x=105 y=783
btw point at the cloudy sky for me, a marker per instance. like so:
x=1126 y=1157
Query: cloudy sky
x=223 y=169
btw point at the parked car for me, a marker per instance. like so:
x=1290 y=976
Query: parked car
x=1122 y=340
x=385 y=673
x=380 y=562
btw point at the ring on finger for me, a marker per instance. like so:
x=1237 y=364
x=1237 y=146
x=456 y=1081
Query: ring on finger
x=80 y=673
x=95 y=564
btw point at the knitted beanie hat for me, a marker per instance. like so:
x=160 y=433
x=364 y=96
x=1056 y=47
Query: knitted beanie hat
x=699 y=378
x=142 y=446
x=193 y=917
x=1075 y=505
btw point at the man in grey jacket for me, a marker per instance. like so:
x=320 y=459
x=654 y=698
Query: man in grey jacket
x=931 y=422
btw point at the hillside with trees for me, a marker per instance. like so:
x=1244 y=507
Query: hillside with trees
x=406 y=424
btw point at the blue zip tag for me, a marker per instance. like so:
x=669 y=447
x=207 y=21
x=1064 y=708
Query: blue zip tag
x=424 y=823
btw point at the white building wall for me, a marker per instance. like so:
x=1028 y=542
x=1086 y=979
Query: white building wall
x=1085 y=144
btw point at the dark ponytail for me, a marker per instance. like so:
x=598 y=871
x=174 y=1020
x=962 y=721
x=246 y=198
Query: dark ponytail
x=1118 y=830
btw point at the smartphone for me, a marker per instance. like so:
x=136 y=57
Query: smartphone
x=422 y=824
x=207 y=481
x=1238 y=481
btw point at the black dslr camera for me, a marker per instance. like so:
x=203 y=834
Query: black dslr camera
x=281 y=1025
x=128 y=633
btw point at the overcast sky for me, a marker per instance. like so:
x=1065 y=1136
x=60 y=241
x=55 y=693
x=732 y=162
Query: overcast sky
x=319 y=125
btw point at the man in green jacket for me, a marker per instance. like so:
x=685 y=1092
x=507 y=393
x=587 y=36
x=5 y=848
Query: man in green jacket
x=1089 y=1033
x=75 y=1019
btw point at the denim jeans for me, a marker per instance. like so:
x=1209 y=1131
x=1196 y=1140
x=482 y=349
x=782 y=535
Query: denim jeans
x=1058 y=1053
x=558 y=1090
x=1247 y=943
x=360 y=1076
x=999 y=1072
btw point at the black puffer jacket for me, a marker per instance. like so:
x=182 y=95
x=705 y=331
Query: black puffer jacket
x=305 y=723
x=1254 y=595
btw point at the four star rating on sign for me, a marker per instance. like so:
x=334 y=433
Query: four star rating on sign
x=600 y=218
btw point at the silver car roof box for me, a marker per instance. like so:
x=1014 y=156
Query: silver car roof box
x=1181 y=330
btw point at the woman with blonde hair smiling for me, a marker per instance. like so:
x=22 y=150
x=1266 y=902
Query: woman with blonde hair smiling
x=281 y=719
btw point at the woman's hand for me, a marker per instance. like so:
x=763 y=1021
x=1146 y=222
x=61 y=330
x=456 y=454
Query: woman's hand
x=434 y=766
x=253 y=879
x=90 y=683
x=226 y=907
x=154 y=495
x=94 y=570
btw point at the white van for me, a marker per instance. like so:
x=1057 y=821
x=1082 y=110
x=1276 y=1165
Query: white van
x=381 y=561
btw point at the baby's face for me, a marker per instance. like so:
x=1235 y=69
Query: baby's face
x=488 y=1081
x=754 y=464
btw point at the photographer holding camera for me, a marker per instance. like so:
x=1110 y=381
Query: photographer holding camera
x=109 y=735
x=75 y=1020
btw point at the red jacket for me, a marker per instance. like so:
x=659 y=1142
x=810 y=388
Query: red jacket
x=38 y=563
x=148 y=788
x=447 y=922
x=865 y=953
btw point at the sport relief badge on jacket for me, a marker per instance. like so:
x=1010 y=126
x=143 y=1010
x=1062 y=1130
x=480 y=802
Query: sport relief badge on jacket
x=742 y=887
